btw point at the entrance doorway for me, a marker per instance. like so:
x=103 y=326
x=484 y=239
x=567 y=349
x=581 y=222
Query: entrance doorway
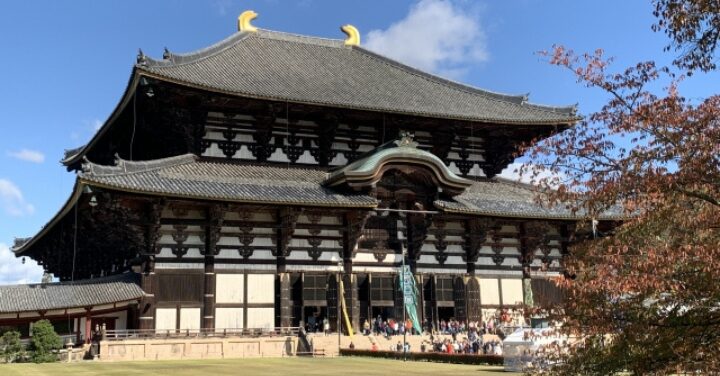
x=446 y=313
x=384 y=312
x=314 y=316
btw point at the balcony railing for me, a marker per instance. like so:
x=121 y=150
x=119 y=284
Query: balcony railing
x=119 y=335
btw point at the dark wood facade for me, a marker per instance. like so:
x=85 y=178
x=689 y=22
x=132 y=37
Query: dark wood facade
x=205 y=256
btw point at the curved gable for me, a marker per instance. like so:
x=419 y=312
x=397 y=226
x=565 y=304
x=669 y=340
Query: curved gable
x=369 y=170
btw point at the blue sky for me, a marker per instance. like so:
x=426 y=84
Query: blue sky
x=66 y=64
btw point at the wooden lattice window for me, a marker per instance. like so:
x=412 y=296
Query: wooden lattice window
x=315 y=287
x=382 y=288
x=444 y=290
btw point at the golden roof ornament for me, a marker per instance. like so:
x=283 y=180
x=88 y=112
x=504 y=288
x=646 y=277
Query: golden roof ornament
x=353 y=34
x=244 y=21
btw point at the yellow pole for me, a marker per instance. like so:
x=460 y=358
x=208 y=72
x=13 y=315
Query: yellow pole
x=344 y=310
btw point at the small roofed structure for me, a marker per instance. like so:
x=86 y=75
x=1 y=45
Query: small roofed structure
x=75 y=305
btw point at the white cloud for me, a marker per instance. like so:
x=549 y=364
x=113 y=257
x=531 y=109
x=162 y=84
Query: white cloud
x=13 y=271
x=12 y=200
x=512 y=172
x=28 y=155
x=436 y=36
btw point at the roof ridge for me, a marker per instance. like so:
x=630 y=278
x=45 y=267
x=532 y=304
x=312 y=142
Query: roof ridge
x=254 y=164
x=177 y=59
x=127 y=167
x=300 y=38
x=122 y=277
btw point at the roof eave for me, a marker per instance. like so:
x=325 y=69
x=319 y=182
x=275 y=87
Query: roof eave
x=93 y=183
x=492 y=213
x=69 y=205
x=130 y=89
x=570 y=121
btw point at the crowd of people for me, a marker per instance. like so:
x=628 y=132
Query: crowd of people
x=317 y=324
x=471 y=341
x=389 y=327
x=392 y=327
x=466 y=345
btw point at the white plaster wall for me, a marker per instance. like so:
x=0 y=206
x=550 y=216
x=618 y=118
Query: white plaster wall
x=165 y=318
x=190 y=318
x=228 y=318
x=261 y=317
x=511 y=291
x=229 y=288
x=489 y=291
x=261 y=288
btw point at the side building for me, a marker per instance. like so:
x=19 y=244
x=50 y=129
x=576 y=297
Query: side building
x=234 y=186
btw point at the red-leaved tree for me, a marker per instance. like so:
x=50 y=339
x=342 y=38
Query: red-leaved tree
x=645 y=297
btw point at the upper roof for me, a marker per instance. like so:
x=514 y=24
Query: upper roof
x=270 y=65
x=59 y=295
x=286 y=67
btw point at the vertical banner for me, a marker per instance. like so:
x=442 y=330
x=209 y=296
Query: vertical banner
x=410 y=296
x=528 y=293
x=341 y=293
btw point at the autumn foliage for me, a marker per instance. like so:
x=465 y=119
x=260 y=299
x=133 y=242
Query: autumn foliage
x=644 y=297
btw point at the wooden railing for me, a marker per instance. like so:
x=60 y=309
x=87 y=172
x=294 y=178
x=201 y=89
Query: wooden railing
x=119 y=335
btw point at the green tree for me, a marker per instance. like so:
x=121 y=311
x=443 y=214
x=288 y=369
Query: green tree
x=642 y=298
x=11 y=346
x=44 y=342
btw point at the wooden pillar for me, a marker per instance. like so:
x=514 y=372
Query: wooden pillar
x=88 y=325
x=148 y=279
x=77 y=330
x=286 y=221
x=213 y=230
x=146 y=312
x=525 y=259
x=475 y=234
x=208 y=320
x=285 y=300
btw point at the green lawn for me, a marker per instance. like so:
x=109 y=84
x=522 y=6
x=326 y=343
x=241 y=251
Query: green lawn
x=257 y=366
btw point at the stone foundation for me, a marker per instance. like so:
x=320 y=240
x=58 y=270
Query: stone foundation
x=197 y=348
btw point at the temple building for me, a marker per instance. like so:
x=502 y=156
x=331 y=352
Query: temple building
x=233 y=186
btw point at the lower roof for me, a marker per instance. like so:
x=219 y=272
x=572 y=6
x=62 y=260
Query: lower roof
x=186 y=176
x=189 y=177
x=500 y=197
x=77 y=294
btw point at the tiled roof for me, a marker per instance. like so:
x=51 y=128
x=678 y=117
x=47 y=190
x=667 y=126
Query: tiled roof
x=280 y=66
x=505 y=198
x=86 y=293
x=186 y=176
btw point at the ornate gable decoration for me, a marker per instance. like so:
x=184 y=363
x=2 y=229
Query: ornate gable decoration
x=402 y=154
